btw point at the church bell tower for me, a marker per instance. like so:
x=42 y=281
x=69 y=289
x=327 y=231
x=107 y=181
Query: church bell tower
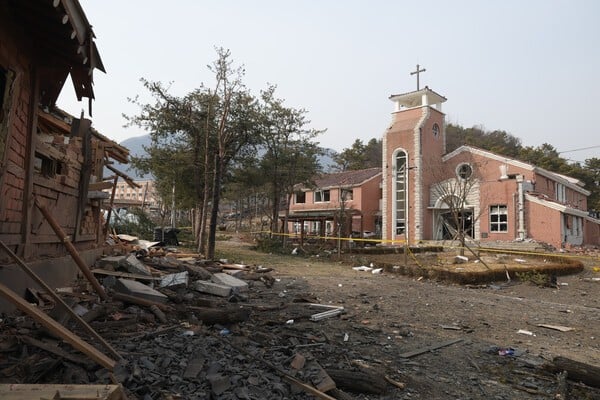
x=413 y=145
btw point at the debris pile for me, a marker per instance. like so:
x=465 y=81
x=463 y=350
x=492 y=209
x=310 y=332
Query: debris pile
x=175 y=326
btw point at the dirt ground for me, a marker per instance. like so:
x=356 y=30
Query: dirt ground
x=500 y=349
x=398 y=336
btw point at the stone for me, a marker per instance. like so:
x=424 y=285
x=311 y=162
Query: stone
x=138 y=289
x=135 y=266
x=211 y=288
x=236 y=284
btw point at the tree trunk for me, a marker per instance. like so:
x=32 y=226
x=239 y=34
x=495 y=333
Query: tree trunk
x=216 y=196
x=275 y=210
x=577 y=371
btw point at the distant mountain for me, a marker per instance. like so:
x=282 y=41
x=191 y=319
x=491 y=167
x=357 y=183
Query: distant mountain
x=136 y=148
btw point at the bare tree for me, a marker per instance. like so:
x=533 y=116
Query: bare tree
x=457 y=201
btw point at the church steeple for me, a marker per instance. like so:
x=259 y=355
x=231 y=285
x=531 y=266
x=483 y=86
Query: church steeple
x=413 y=143
x=419 y=98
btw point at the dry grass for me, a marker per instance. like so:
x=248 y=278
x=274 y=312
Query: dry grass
x=431 y=265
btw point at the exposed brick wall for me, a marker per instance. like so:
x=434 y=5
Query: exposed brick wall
x=12 y=164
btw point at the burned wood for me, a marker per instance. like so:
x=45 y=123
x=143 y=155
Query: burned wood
x=429 y=348
x=358 y=381
x=159 y=314
x=100 y=271
x=94 y=314
x=265 y=278
x=139 y=301
x=287 y=377
x=53 y=349
x=211 y=316
x=197 y=271
x=320 y=378
x=26 y=391
x=577 y=371
x=59 y=300
x=57 y=329
x=71 y=249
x=340 y=394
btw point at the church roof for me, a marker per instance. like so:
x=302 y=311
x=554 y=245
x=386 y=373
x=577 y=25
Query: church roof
x=347 y=178
x=568 y=181
x=415 y=99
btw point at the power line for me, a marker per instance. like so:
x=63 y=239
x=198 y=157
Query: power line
x=580 y=149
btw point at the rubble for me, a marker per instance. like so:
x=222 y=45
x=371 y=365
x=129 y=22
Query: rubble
x=192 y=330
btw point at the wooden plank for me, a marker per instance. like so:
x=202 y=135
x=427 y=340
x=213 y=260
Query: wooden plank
x=577 y=371
x=556 y=327
x=53 y=185
x=57 y=328
x=71 y=249
x=140 y=301
x=100 y=185
x=322 y=380
x=50 y=348
x=47 y=391
x=429 y=348
x=59 y=300
x=100 y=271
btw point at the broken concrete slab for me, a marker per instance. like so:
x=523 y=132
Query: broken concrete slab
x=460 y=259
x=111 y=262
x=135 y=266
x=138 y=289
x=237 y=285
x=211 y=288
x=180 y=278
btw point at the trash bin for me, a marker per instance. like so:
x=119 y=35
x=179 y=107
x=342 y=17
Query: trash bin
x=158 y=234
x=170 y=236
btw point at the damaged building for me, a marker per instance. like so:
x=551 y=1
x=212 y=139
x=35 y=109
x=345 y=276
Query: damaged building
x=51 y=164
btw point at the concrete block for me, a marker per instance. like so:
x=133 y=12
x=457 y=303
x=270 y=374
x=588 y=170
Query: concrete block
x=135 y=266
x=111 y=263
x=236 y=284
x=211 y=288
x=180 y=278
x=138 y=289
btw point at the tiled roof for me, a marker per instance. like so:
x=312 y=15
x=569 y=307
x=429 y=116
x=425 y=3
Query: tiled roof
x=347 y=178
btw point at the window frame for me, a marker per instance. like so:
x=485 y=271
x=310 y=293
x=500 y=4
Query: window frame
x=498 y=211
x=460 y=168
x=297 y=197
x=322 y=196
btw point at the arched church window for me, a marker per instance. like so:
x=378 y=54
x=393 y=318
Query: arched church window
x=435 y=130
x=400 y=206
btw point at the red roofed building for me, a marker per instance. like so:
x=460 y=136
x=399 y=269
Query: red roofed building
x=354 y=194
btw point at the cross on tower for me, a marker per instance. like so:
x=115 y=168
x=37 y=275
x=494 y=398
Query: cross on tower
x=417 y=72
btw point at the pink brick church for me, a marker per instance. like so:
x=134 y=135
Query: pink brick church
x=499 y=199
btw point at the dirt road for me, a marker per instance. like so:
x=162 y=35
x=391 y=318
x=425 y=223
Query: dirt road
x=499 y=344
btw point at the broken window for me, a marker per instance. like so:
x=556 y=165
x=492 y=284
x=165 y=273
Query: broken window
x=300 y=197
x=321 y=196
x=47 y=166
x=346 y=195
x=498 y=218
x=6 y=79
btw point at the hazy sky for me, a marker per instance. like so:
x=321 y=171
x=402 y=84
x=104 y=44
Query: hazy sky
x=530 y=68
